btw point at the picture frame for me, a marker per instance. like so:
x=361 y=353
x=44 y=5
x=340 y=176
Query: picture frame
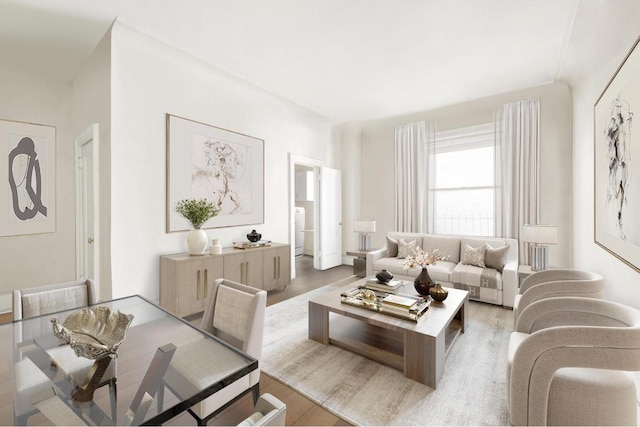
x=617 y=163
x=223 y=166
x=28 y=152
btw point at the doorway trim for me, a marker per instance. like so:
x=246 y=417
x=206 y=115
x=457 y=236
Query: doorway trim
x=90 y=134
x=295 y=159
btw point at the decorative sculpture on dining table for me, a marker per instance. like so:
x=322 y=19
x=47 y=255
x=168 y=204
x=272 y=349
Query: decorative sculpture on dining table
x=421 y=258
x=93 y=333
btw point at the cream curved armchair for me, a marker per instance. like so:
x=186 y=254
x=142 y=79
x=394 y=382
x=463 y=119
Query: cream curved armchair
x=557 y=283
x=234 y=313
x=566 y=363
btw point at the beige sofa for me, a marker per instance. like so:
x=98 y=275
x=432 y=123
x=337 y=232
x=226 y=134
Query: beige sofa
x=484 y=284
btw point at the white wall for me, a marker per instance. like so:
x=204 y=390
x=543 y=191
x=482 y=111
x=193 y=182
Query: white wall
x=597 y=48
x=37 y=259
x=151 y=79
x=377 y=159
x=350 y=135
x=92 y=104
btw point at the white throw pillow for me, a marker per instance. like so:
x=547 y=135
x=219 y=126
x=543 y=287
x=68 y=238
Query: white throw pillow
x=473 y=256
x=405 y=248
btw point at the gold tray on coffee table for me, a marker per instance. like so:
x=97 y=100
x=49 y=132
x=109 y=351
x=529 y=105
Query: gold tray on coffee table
x=374 y=301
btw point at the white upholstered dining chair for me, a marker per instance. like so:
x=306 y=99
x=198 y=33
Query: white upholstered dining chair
x=49 y=299
x=234 y=313
x=568 y=360
x=557 y=283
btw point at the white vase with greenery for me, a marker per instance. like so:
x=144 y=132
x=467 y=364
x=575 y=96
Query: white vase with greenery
x=197 y=212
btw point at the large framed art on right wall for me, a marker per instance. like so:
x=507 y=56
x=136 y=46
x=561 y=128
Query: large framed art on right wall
x=617 y=163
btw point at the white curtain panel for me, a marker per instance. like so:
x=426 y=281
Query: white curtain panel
x=517 y=130
x=414 y=165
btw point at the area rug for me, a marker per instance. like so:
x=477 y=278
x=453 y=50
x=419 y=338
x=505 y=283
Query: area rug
x=363 y=392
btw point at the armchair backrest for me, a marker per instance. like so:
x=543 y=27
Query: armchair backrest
x=558 y=283
x=579 y=312
x=235 y=313
x=587 y=281
x=51 y=298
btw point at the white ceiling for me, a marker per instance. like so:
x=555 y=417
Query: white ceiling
x=345 y=59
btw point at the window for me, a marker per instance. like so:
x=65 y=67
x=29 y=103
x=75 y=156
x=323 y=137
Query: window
x=463 y=181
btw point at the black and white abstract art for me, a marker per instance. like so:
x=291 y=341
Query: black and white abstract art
x=616 y=166
x=224 y=167
x=28 y=168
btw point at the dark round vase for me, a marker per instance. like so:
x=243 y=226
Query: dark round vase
x=384 y=276
x=423 y=282
x=254 y=236
x=438 y=293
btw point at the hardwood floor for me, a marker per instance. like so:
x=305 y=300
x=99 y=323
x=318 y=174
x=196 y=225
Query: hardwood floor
x=300 y=410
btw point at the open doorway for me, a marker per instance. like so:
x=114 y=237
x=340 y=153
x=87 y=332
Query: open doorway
x=323 y=229
x=303 y=197
x=304 y=207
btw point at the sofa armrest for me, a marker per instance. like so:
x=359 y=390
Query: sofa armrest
x=509 y=283
x=373 y=256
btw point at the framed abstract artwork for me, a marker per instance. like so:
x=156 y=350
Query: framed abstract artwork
x=28 y=183
x=617 y=163
x=222 y=166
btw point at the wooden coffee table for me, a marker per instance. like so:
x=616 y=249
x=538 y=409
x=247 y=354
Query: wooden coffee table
x=419 y=349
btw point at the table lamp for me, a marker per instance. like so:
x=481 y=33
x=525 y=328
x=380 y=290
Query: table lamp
x=365 y=227
x=539 y=236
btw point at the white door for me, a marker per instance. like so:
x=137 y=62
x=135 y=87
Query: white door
x=330 y=221
x=86 y=191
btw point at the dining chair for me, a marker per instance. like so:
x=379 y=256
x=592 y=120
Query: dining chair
x=234 y=313
x=270 y=411
x=52 y=407
x=557 y=283
x=569 y=360
x=49 y=299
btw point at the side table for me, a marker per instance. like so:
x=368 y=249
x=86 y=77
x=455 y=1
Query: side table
x=359 y=262
x=523 y=272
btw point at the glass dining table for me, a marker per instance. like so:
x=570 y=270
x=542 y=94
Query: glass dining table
x=37 y=388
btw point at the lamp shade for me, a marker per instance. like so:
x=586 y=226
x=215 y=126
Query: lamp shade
x=364 y=226
x=540 y=234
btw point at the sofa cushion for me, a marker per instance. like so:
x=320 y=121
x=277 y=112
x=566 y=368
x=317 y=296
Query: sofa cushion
x=473 y=256
x=392 y=265
x=406 y=248
x=392 y=247
x=397 y=235
x=448 y=246
x=439 y=272
x=496 y=257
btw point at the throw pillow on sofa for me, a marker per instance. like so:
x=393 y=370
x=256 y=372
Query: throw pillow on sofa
x=405 y=248
x=392 y=247
x=473 y=256
x=496 y=257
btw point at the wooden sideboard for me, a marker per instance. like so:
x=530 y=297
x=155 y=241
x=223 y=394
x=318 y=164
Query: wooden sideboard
x=185 y=279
